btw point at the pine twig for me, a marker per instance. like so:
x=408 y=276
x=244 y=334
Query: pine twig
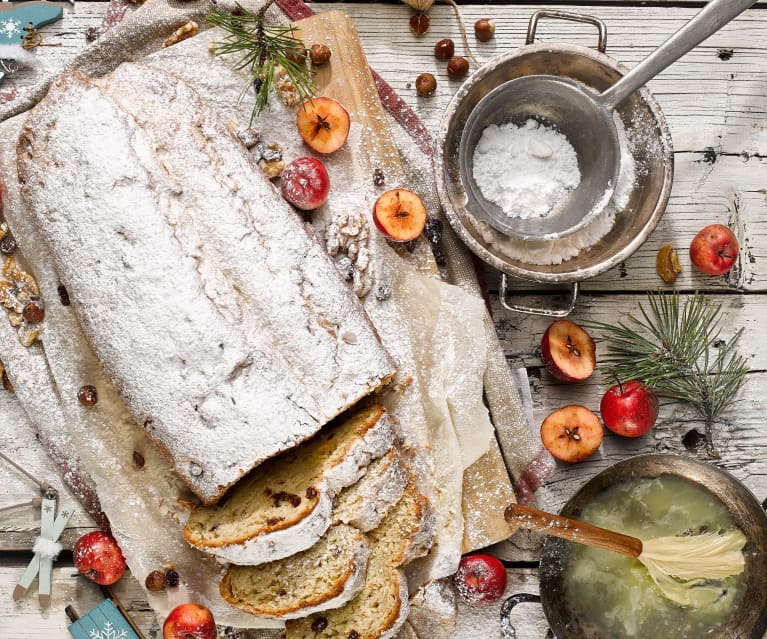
x=261 y=49
x=676 y=349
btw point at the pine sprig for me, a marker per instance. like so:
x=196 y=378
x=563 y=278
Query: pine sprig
x=676 y=349
x=261 y=48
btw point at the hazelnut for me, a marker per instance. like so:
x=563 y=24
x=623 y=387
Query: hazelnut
x=457 y=67
x=33 y=312
x=87 y=395
x=484 y=29
x=320 y=54
x=419 y=23
x=426 y=84
x=444 y=49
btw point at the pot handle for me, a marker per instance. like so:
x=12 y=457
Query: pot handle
x=531 y=310
x=573 y=17
x=507 y=630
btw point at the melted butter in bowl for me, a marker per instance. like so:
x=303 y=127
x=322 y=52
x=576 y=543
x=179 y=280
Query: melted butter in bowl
x=615 y=593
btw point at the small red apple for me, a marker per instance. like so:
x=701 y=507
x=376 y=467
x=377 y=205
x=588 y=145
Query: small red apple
x=568 y=351
x=323 y=123
x=629 y=409
x=97 y=556
x=714 y=250
x=400 y=215
x=572 y=433
x=305 y=183
x=189 y=621
x=480 y=580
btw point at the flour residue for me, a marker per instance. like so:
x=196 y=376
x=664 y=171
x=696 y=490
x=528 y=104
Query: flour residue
x=528 y=170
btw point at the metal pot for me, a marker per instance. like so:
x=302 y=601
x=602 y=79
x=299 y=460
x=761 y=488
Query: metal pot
x=747 y=620
x=641 y=117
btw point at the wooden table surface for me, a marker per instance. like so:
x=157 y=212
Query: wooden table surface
x=715 y=100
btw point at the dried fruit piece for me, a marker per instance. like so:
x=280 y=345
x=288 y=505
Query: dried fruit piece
x=7 y=383
x=319 y=54
x=444 y=49
x=433 y=230
x=172 y=578
x=63 y=295
x=34 y=312
x=419 y=24
x=667 y=263
x=379 y=179
x=7 y=244
x=138 y=459
x=426 y=84
x=87 y=395
x=155 y=581
x=458 y=67
x=484 y=28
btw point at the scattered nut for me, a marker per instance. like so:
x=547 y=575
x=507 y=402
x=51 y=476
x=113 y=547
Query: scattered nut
x=419 y=23
x=484 y=29
x=667 y=263
x=319 y=54
x=87 y=395
x=444 y=49
x=188 y=30
x=458 y=67
x=249 y=137
x=426 y=84
x=155 y=581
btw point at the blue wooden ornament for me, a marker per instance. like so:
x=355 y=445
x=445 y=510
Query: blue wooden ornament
x=103 y=622
x=13 y=19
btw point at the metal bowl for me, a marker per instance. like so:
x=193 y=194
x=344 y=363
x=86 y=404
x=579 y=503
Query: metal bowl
x=641 y=117
x=747 y=620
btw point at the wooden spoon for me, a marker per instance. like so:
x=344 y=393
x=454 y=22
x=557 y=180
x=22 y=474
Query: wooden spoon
x=687 y=569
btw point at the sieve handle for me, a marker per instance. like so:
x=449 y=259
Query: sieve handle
x=708 y=21
x=573 y=530
x=533 y=310
x=572 y=17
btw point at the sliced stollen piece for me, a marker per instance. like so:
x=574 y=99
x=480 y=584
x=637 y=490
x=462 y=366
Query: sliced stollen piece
x=365 y=504
x=222 y=322
x=327 y=575
x=382 y=607
x=284 y=506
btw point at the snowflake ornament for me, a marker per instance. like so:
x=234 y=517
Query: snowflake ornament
x=10 y=28
x=108 y=632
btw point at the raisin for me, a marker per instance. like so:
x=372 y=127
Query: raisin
x=354 y=635
x=383 y=292
x=171 y=578
x=88 y=395
x=155 y=581
x=439 y=256
x=63 y=295
x=292 y=499
x=411 y=245
x=138 y=459
x=667 y=263
x=433 y=230
x=7 y=245
x=311 y=492
x=7 y=383
x=34 y=311
x=319 y=624
x=379 y=179
x=273 y=521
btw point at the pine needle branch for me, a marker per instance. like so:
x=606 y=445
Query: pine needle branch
x=676 y=349
x=261 y=48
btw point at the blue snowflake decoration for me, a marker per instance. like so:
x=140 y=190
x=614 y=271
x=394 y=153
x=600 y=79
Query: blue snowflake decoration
x=103 y=622
x=13 y=19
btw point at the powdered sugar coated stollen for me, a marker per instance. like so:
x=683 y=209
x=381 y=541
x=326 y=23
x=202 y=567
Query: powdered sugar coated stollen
x=528 y=170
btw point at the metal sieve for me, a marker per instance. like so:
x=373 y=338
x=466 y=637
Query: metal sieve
x=585 y=118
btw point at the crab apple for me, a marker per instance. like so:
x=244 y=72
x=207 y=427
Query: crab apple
x=189 y=621
x=323 y=123
x=480 y=579
x=572 y=433
x=714 y=249
x=305 y=183
x=568 y=351
x=629 y=409
x=400 y=215
x=97 y=556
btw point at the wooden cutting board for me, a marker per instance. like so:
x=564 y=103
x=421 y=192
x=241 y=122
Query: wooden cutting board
x=487 y=489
